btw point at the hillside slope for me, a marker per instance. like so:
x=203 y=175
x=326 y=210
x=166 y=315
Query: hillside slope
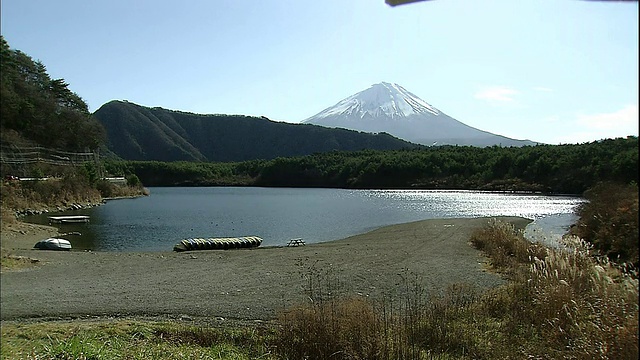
x=136 y=132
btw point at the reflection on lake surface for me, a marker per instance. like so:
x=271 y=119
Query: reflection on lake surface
x=170 y=214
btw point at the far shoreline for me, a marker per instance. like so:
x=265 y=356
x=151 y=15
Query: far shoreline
x=279 y=238
x=22 y=235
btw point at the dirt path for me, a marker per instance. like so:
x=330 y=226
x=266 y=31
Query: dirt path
x=237 y=284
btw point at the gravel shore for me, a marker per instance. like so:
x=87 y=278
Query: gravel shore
x=245 y=284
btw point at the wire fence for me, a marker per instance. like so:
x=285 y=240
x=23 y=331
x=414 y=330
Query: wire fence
x=22 y=159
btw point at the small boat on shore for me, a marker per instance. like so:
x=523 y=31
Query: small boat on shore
x=55 y=243
x=218 y=243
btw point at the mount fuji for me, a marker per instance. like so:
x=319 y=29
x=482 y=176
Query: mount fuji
x=390 y=108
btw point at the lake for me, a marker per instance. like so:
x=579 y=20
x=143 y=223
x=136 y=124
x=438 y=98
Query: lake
x=170 y=214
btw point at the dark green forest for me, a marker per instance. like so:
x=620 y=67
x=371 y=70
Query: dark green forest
x=38 y=110
x=557 y=169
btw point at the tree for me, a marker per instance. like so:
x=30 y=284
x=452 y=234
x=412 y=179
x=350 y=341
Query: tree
x=41 y=109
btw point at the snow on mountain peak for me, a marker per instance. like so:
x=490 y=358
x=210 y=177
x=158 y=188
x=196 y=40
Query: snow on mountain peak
x=384 y=99
x=390 y=108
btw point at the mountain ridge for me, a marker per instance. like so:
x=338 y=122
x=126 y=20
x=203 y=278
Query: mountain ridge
x=389 y=107
x=136 y=132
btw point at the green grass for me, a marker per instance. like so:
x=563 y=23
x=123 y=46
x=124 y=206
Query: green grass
x=130 y=340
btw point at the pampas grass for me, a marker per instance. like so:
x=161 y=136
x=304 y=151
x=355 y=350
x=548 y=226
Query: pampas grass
x=559 y=303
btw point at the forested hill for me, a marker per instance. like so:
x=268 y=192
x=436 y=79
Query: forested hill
x=136 y=132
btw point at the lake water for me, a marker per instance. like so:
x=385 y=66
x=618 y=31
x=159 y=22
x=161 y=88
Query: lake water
x=170 y=214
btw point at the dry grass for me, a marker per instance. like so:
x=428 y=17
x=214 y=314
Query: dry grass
x=346 y=329
x=46 y=194
x=505 y=246
x=559 y=304
x=584 y=304
x=7 y=217
x=57 y=193
x=111 y=190
x=12 y=262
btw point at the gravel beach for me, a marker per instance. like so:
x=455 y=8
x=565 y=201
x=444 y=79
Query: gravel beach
x=244 y=284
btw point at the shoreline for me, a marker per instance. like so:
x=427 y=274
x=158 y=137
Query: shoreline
x=241 y=284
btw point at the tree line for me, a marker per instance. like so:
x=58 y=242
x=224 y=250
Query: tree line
x=559 y=169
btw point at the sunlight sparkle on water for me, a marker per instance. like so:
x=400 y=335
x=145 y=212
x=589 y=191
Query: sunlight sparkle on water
x=477 y=204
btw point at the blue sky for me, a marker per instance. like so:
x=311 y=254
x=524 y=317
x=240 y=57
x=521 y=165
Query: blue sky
x=553 y=71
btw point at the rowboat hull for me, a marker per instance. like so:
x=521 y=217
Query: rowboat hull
x=53 y=244
x=243 y=242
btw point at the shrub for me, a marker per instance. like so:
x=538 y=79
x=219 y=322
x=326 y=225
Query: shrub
x=105 y=188
x=505 y=246
x=345 y=329
x=609 y=221
x=133 y=181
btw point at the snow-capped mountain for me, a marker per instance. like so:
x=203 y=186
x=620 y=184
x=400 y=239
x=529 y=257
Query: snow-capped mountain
x=390 y=108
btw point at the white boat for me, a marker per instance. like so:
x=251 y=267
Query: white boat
x=53 y=244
